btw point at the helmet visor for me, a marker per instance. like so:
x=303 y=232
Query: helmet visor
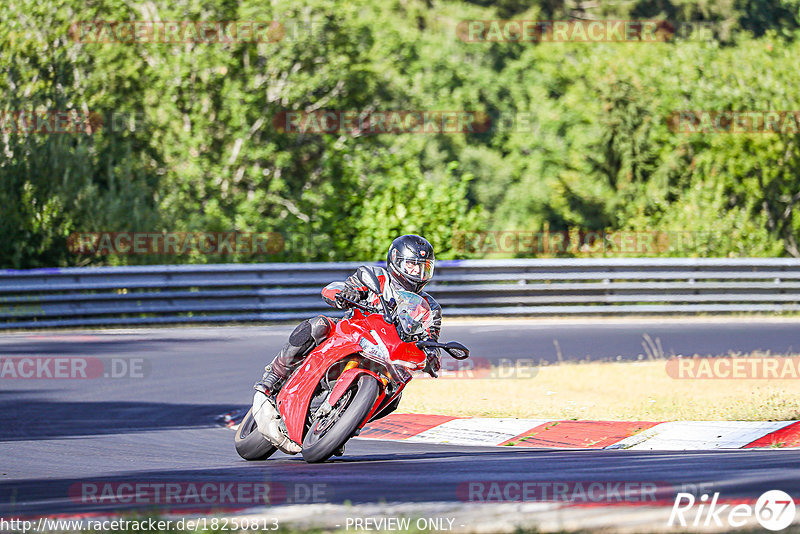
x=416 y=269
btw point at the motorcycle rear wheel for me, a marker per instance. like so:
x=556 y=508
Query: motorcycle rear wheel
x=325 y=437
x=250 y=444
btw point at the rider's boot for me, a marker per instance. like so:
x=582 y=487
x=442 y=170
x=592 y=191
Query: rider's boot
x=270 y=383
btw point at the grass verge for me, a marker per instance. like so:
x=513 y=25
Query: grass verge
x=640 y=390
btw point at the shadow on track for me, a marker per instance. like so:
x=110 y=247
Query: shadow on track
x=99 y=346
x=360 y=478
x=32 y=418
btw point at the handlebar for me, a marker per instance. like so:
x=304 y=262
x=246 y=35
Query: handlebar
x=385 y=312
x=364 y=307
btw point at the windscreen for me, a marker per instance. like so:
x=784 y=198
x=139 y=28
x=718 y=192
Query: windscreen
x=413 y=315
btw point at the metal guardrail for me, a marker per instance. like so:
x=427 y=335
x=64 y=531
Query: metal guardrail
x=290 y=291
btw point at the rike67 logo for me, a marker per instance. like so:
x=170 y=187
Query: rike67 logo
x=774 y=510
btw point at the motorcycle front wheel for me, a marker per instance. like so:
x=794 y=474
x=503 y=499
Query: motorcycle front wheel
x=250 y=444
x=326 y=435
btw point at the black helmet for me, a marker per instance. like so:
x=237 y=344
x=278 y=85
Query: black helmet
x=410 y=262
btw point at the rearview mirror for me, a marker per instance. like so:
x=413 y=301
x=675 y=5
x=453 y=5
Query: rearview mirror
x=369 y=279
x=457 y=350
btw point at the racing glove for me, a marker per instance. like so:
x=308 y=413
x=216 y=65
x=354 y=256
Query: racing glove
x=349 y=293
x=433 y=362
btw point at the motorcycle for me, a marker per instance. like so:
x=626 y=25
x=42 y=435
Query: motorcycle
x=355 y=376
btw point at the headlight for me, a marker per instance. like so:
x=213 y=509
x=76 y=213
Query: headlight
x=377 y=351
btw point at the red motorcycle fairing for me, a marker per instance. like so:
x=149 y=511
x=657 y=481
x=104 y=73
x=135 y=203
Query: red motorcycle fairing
x=344 y=381
x=294 y=397
x=301 y=385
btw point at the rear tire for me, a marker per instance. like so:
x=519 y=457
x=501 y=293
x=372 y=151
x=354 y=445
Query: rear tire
x=318 y=446
x=250 y=444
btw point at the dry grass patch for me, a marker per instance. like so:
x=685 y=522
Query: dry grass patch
x=629 y=391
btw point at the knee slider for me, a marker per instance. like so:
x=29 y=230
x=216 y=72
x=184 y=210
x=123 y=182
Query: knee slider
x=320 y=328
x=301 y=335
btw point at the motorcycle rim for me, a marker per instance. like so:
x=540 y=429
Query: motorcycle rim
x=321 y=441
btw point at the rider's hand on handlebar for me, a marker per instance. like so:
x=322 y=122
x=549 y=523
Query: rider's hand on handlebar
x=349 y=293
x=433 y=362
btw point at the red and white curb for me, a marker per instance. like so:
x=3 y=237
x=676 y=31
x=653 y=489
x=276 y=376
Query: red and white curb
x=569 y=434
x=555 y=434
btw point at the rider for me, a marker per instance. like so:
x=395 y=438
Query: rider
x=409 y=266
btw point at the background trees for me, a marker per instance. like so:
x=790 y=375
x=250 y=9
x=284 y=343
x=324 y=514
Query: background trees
x=188 y=141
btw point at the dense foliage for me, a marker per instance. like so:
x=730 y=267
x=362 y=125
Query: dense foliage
x=185 y=136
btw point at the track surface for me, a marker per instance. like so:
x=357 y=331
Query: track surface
x=56 y=433
x=576 y=340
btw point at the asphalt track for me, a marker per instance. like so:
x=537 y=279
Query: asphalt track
x=55 y=434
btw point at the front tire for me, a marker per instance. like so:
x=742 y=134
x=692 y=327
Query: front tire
x=325 y=437
x=250 y=444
